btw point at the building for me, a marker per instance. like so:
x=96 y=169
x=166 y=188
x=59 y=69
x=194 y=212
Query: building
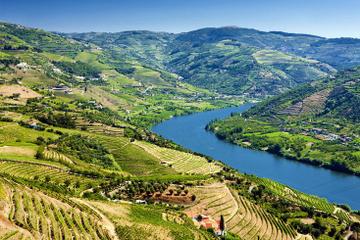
x=208 y=222
x=140 y=201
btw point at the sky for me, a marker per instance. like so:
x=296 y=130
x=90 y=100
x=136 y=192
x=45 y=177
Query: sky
x=328 y=18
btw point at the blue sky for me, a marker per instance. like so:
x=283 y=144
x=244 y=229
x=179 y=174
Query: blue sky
x=329 y=18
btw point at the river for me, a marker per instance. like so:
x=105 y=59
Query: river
x=189 y=131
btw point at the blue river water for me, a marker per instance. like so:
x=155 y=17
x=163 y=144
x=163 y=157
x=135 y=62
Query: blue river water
x=189 y=131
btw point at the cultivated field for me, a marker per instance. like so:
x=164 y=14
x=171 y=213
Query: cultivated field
x=132 y=158
x=99 y=128
x=24 y=92
x=34 y=215
x=242 y=217
x=313 y=104
x=42 y=172
x=146 y=222
x=180 y=161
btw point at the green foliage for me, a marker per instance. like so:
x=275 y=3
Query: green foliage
x=132 y=158
x=322 y=134
x=78 y=68
x=231 y=60
x=41 y=40
x=86 y=149
x=58 y=119
x=139 y=87
x=8 y=60
x=9 y=42
x=153 y=215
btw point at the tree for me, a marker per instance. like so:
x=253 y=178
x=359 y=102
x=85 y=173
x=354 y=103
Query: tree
x=39 y=154
x=276 y=149
x=47 y=178
x=15 y=96
x=332 y=232
x=40 y=140
x=316 y=232
x=77 y=184
x=222 y=223
x=355 y=227
x=67 y=182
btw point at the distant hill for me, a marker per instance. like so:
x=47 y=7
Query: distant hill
x=233 y=60
x=131 y=82
x=78 y=162
x=337 y=97
x=317 y=123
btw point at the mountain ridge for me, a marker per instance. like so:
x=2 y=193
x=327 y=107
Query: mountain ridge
x=77 y=160
x=165 y=46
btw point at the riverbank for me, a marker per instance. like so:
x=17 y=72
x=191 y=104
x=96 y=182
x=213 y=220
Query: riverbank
x=313 y=162
x=294 y=144
x=189 y=132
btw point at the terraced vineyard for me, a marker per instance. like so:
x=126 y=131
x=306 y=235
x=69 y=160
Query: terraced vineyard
x=11 y=234
x=34 y=215
x=70 y=111
x=242 y=217
x=132 y=158
x=53 y=155
x=100 y=128
x=158 y=225
x=42 y=172
x=296 y=196
x=180 y=161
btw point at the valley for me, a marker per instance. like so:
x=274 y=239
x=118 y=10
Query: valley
x=320 y=182
x=83 y=154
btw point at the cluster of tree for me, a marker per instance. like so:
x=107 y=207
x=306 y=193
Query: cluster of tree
x=64 y=120
x=14 y=48
x=84 y=148
x=125 y=69
x=316 y=229
x=39 y=127
x=104 y=115
x=127 y=189
x=9 y=61
x=78 y=68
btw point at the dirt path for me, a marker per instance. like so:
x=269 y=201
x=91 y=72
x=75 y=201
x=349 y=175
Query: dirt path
x=107 y=223
x=236 y=204
x=348 y=235
x=304 y=237
x=336 y=210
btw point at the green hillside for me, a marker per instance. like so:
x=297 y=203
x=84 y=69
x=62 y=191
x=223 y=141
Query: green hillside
x=119 y=83
x=77 y=160
x=233 y=60
x=315 y=123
